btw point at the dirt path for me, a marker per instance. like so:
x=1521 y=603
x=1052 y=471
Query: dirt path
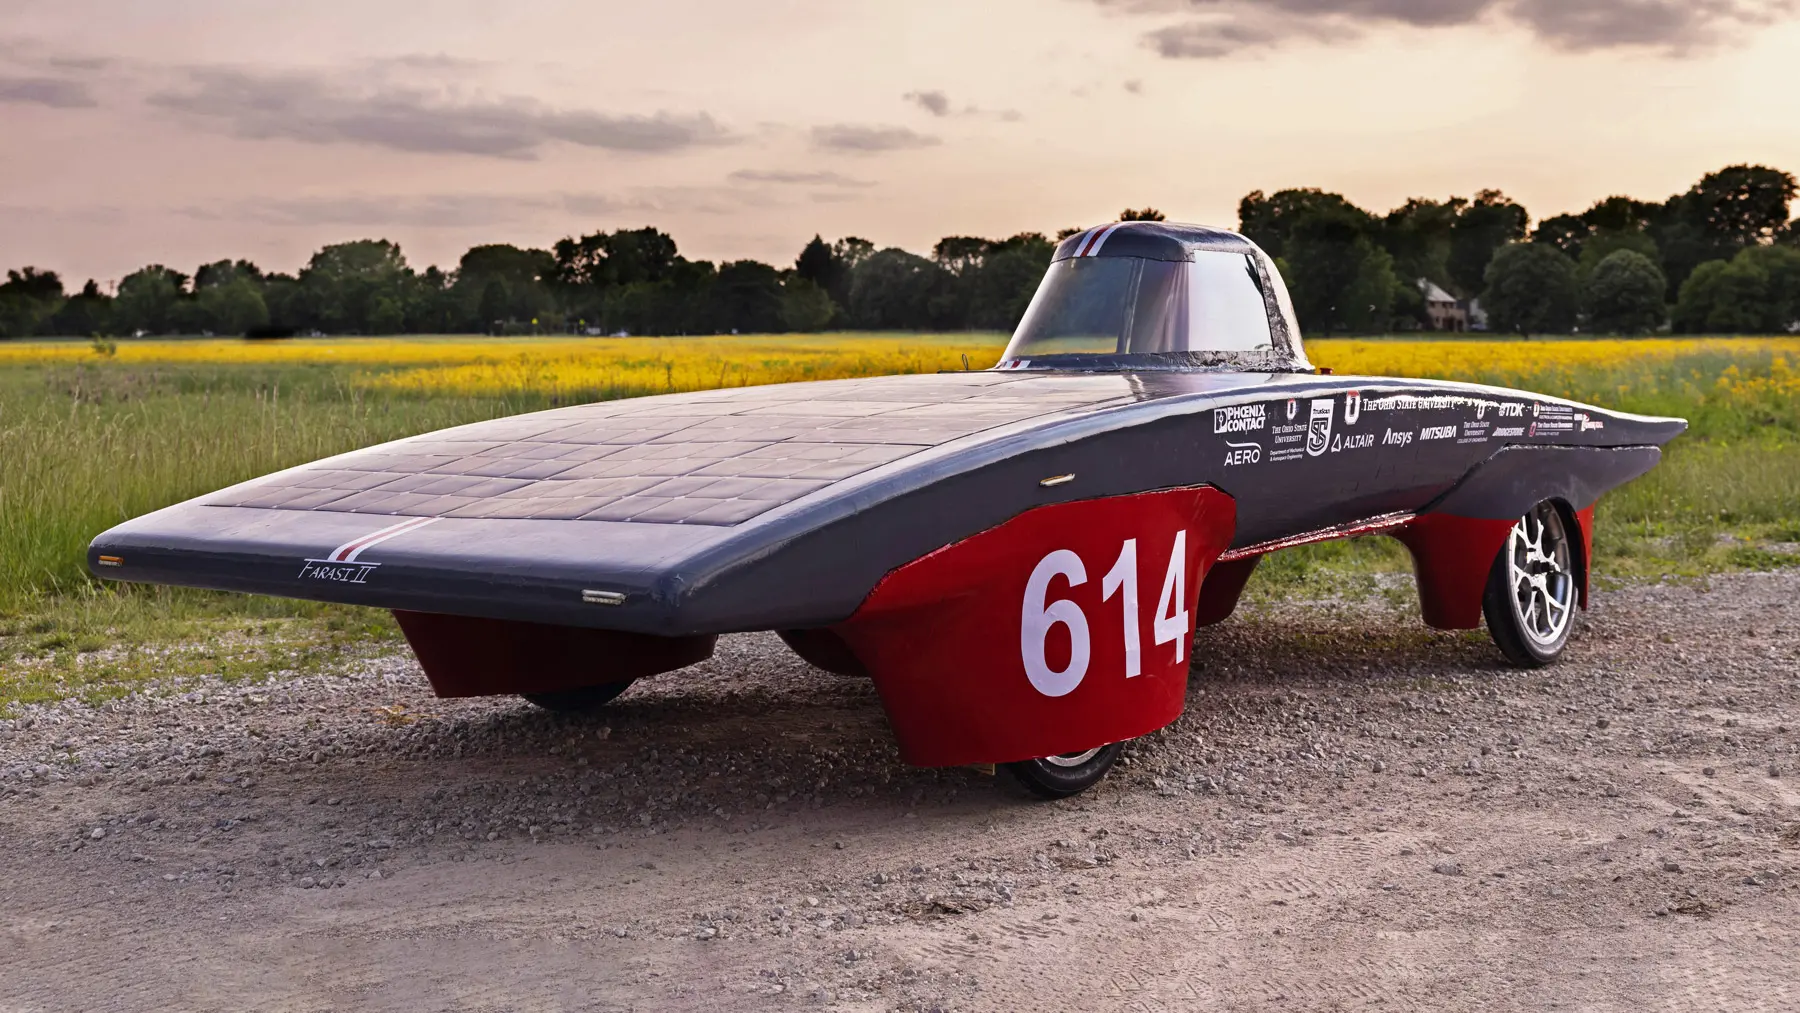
x=1354 y=814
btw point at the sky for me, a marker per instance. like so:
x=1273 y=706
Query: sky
x=185 y=131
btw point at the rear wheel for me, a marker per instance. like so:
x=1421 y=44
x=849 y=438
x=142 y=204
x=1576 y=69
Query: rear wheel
x=1067 y=774
x=580 y=700
x=1530 y=599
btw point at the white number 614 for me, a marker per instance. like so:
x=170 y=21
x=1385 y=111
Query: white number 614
x=1037 y=616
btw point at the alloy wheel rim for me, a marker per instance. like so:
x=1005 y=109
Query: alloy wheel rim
x=1539 y=574
x=1072 y=759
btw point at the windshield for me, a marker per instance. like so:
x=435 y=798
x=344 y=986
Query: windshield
x=1128 y=305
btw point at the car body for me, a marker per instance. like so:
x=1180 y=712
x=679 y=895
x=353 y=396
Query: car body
x=1016 y=556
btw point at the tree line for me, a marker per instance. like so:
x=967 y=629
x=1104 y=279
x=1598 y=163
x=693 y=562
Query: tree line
x=1721 y=257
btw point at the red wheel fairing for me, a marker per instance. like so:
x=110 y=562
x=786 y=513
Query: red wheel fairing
x=468 y=656
x=1015 y=643
x=1452 y=556
x=1584 y=519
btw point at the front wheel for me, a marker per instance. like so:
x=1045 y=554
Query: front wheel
x=581 y=700
x=1067 y=774
x=1530 y=598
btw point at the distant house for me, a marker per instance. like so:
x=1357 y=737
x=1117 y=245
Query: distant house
x=1444 y=311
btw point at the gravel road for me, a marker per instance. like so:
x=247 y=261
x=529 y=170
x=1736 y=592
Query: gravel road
x=1355 y=813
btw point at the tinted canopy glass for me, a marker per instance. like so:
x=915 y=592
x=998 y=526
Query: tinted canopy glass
x=1128 y=305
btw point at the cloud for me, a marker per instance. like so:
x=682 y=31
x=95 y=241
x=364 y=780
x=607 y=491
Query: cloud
x=54 y=92
x=478 y=210
x=320 y=109
x=856 y=137
x=934 y=102
x=938 y=104
x=785 y=177
x=431 y=211
x=1210 y=29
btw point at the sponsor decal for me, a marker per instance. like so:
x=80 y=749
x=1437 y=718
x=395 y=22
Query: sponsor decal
x=1352 y=407
x=1512 y=410
x=1423 y=403
x=1393 y=439
x=1318 y=429
x=342 y=566
x=1292 y=407
x=1437 y=433
x=1587 y=424
x=1242 y=453
x=1475 y=432
x=1354 y=441
x=1509 y=431
x=1240 y=418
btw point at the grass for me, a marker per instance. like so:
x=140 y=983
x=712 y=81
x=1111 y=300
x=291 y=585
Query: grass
x=89 y=439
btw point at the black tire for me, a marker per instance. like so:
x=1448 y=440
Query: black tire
x=1531 y=594
x=1065 y=775
x=579 y=701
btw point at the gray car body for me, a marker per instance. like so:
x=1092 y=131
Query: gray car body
x=674 y=538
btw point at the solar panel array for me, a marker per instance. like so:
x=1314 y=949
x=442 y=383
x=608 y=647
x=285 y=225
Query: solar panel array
x=711 y=457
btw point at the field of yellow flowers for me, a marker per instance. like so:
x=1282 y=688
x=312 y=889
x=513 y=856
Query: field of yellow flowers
x=91 y=434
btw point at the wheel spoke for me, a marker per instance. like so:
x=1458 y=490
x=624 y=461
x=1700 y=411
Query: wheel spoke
x=1538 y=572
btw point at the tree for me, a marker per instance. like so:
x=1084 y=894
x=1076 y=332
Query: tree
x=816 y=263
x=1755 y=292
x=805 y=306
x=1267 y=221
x=629 y=280
x=1340 y=280
x=1141 y=215
x=28 y=298
x=897 y=290
x=1489 y=222
x=1565 y=232
x=501 y=283
x=357 y=287
x=960 y=255
x=1531 y=290
x=1624 y=294
x=223 y=272
x=1745 y=205
x=234 y=307
x=747 y=298
x=1726 y=211
x=1603 y=243
x=999 y=291
x=289 y=309
x=1418 y=234
x=147 y=300
x=86 y=313
x=491 y=313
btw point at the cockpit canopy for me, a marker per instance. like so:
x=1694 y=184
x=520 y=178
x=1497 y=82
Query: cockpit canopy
x=1149 y=295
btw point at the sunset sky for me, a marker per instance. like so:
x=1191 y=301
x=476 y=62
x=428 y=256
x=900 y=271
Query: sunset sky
x=189 y=130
